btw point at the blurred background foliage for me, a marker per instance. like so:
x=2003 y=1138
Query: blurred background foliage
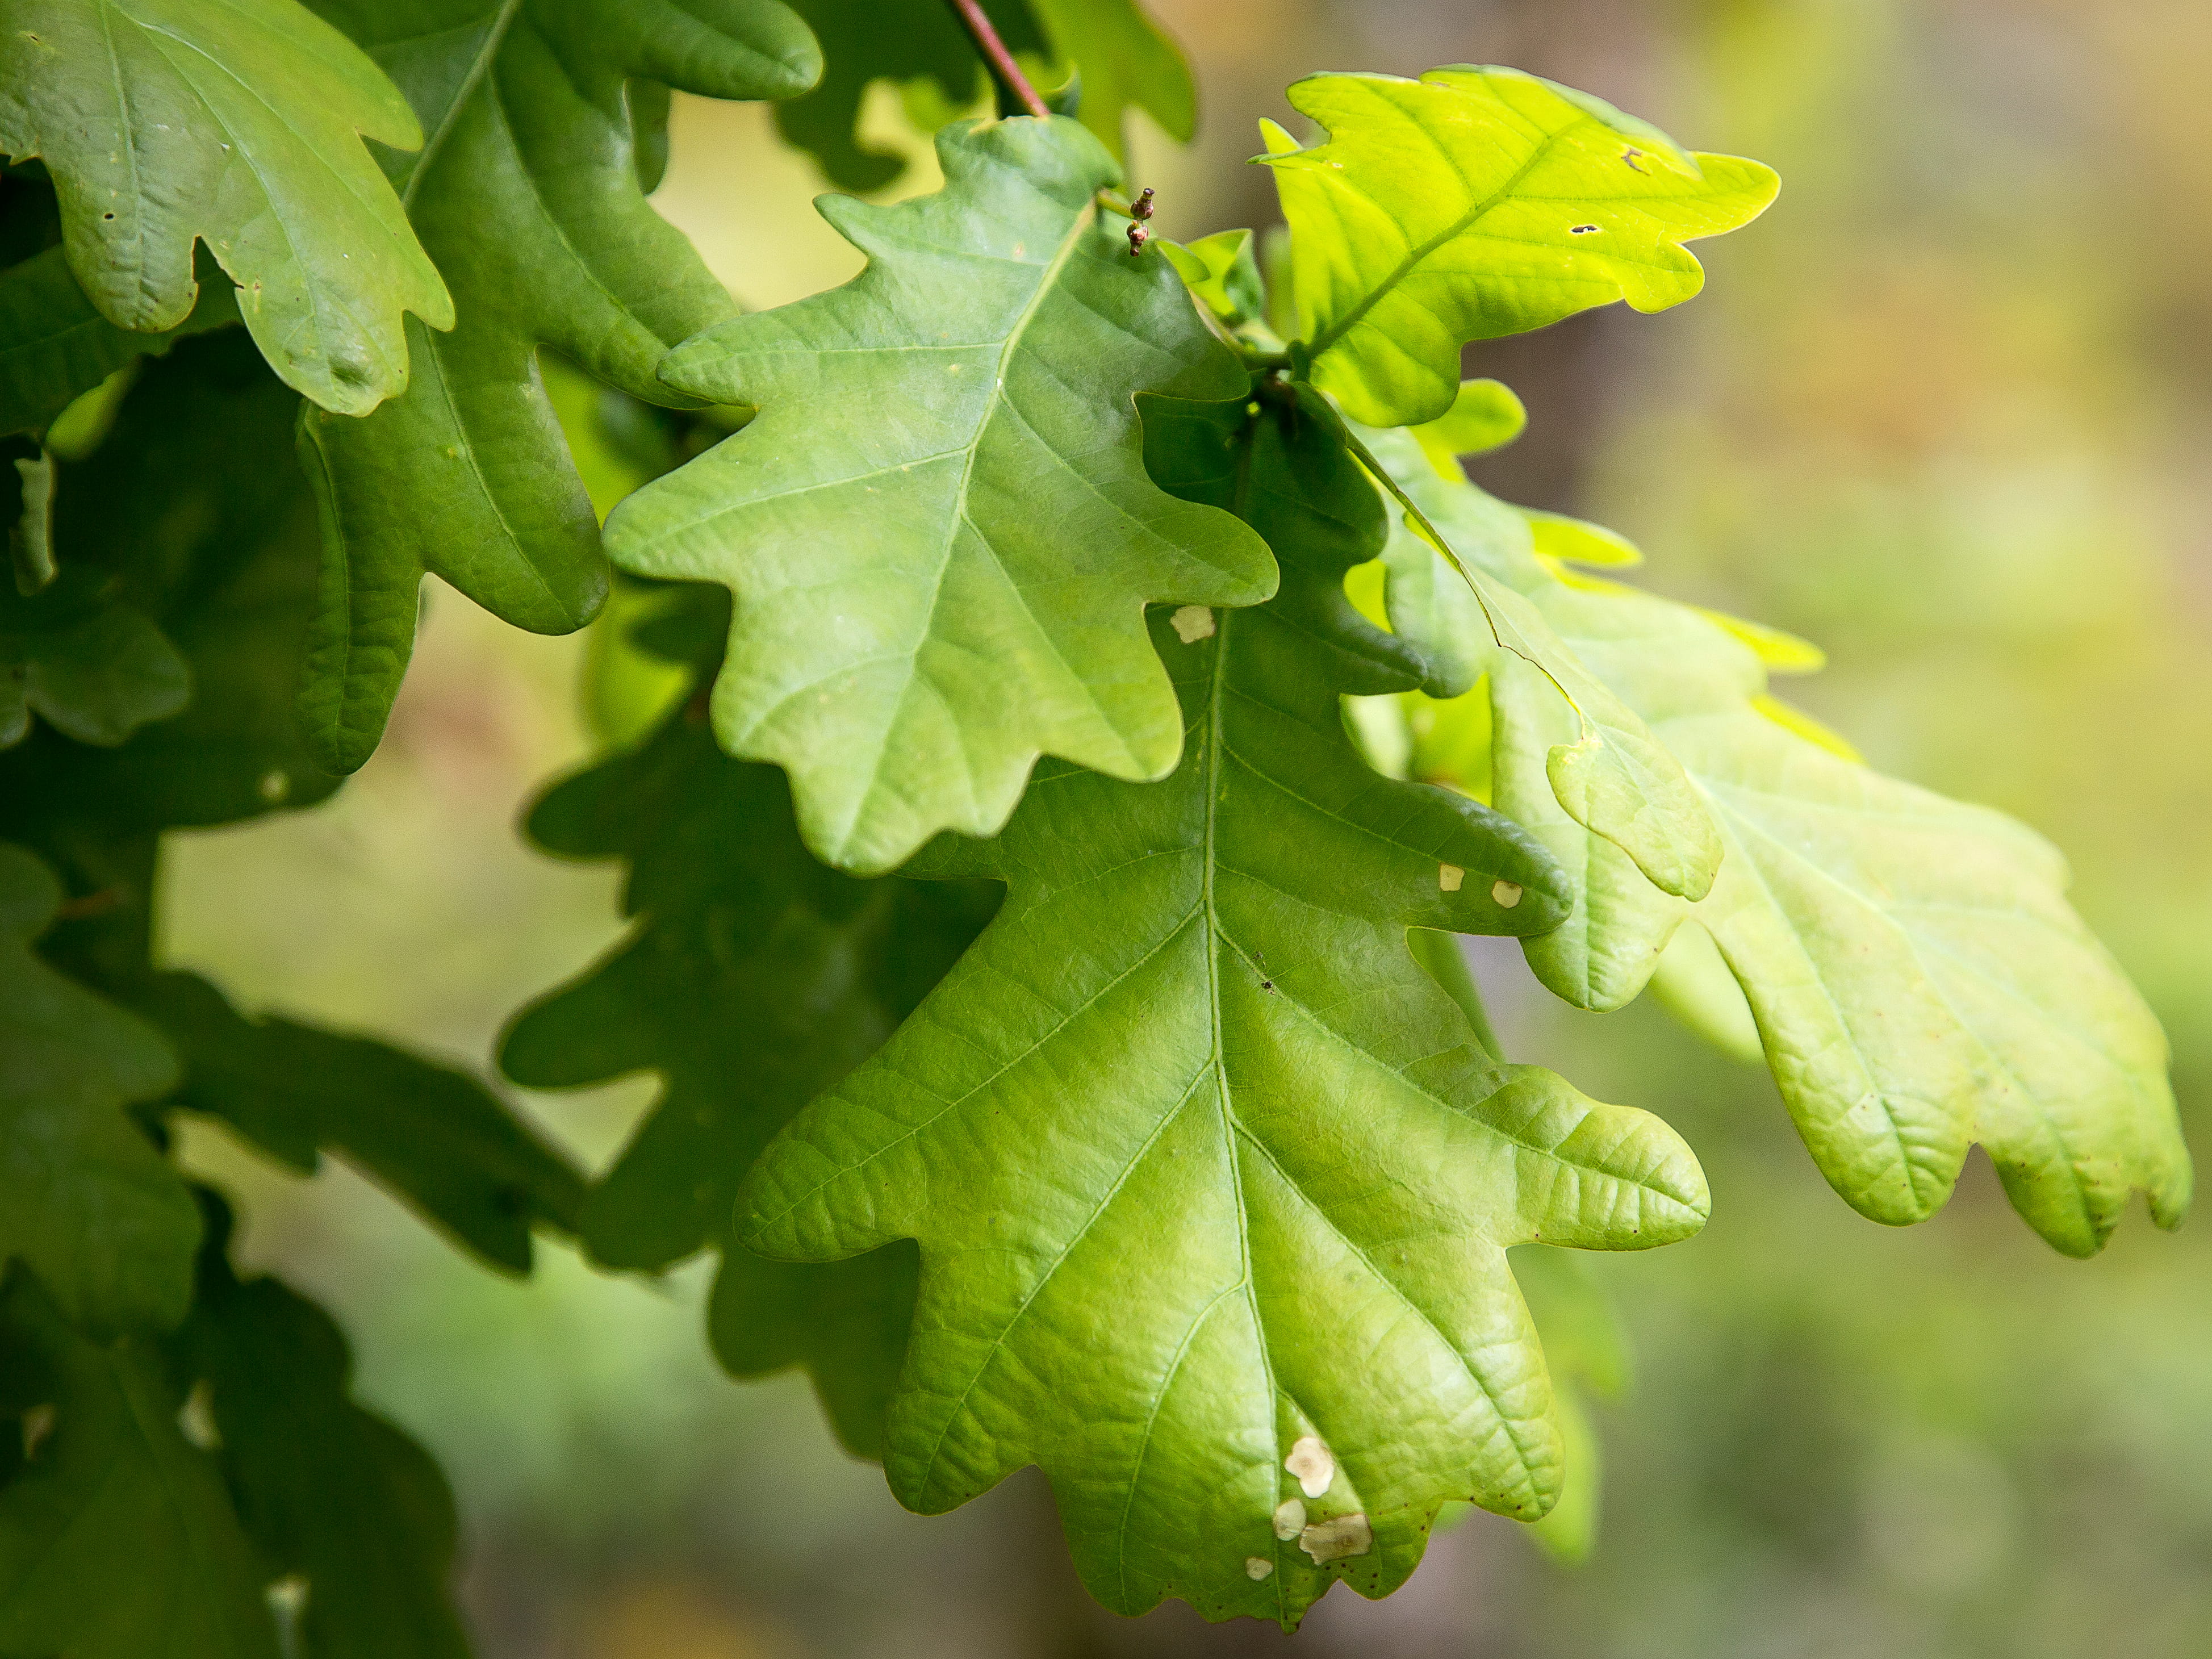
x=1947 y=411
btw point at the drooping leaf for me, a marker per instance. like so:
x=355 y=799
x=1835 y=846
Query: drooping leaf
x=237 y=122
x=1587 y=1353
x=1212 y=1186
x=340 y=1502
x=55 y=346
x=939 y=530
x=433 y=1136
x=1918 y=981
x=85 y=1199
x=1474 y=202
x=754 y=979
x=26 y=503
x=1470 y=613
x=117 y=1538
x=868 y=40
x=1122 y=58
x=528 y=195
x=194 y=515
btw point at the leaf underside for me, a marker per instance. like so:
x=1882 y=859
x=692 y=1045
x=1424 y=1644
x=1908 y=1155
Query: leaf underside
x=1135 y=1130
x=1918 y=979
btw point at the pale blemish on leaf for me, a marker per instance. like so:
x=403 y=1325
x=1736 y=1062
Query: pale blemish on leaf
x=1336 y=1538
x=1258 y=1566
x=1448 y=877
x=39 y=1422
x=1290 y=1519
x=1507 y=893
x=1310 y=1459
x=1192 y=623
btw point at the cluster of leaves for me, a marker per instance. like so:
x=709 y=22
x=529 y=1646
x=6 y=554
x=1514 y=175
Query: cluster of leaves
x=1098 y=697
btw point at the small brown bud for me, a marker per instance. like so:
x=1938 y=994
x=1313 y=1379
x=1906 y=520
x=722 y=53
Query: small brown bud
x=1138 y=237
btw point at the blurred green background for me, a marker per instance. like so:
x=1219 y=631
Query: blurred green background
x=1946 y=409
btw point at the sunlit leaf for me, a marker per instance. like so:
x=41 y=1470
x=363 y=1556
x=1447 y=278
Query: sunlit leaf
x=1211 y=1183
x=939 y=529
x=1917 y=978
x=1473 y=203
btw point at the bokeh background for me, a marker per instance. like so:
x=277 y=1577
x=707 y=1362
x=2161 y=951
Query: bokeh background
x=1948 y=411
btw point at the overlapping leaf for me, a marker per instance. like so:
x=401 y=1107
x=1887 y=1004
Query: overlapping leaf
x=1212 y=1185
x=193 y=515
x=1602 y=766
x=1917 y=978
x=528 y=193
x=864 y=41
x=939 y=530
x=118 y=1540
x=237 y=122
x=55 y=346
x=1473 y=203
x=755 y=978
x=1119 y=58
x=85 y=1199
x=345 y=1508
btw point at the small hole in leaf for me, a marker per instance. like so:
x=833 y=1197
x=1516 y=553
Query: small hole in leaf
x=1582 y=230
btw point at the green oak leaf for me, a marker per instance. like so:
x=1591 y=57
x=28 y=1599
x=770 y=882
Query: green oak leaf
x=939 y=529
x=1918 y=979
x=433 y=1136
x=118 y=1540
x=528 y=193
x=1588 y=1352
x=193 y=515
x=55 y=346
x=865 y=41
x=750 y=984
x=94 y=668
x=237 y=122
x=1119 y=56
x=336 y=1497
x=1474 y=202
x=1223 y=275
x=1470 y=612
x=1483 y=416
x=1212 y=1184
x=85 y=1199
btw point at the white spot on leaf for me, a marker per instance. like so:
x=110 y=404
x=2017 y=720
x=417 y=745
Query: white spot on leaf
x=274 y=786
x=39 y=1422
x=1192 y=623
x=1312 y=1462
x=1258 y=1566
x=1507 y=893
x=1290 y=1519
x=1448 y=877
x=1335 y=1539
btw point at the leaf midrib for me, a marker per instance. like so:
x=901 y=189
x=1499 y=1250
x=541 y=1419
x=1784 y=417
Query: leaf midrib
x=1328 y=337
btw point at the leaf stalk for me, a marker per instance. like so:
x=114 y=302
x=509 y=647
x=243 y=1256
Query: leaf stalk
x=1009 y=73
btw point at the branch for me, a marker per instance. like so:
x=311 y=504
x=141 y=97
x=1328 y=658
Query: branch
x=995 y=54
